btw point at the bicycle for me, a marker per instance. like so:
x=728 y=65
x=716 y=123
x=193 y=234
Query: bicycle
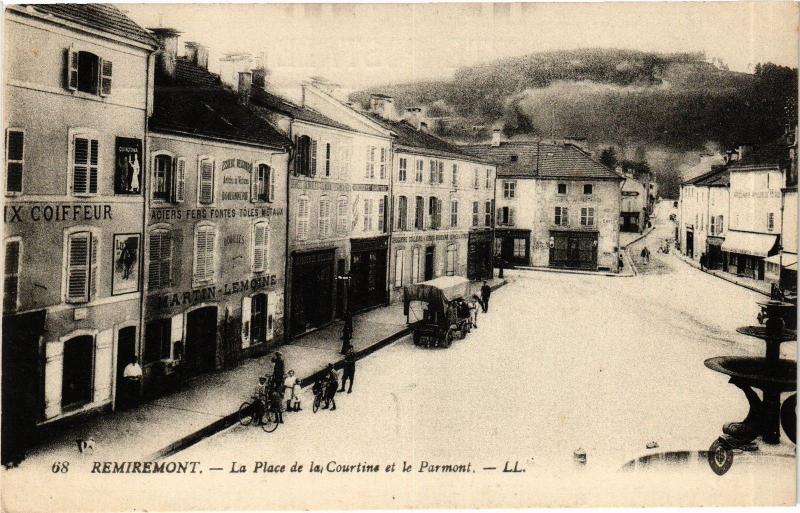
x=319 y=391
x=249 y=410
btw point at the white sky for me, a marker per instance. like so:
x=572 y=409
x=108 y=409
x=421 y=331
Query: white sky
x=358 y=45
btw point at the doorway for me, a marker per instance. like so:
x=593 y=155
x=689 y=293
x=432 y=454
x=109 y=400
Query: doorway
x=429 y=260
x=690 y=244
x=126 y=350
x=201 y=339
x=76 y=387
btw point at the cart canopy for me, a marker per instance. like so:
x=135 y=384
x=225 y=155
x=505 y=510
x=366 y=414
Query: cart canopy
x=437 y=292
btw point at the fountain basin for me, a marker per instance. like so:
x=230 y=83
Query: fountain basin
x=758 y=372
x=761 y=332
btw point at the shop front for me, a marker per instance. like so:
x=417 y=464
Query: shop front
x=630 y=222
x=573 y=250
x=479 y=255
x=714 y=255
x=512 y=247
x=312 y=294
x=746 y=252
x=368 y=271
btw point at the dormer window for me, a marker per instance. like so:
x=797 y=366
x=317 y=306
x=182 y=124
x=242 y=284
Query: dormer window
x=88 y=73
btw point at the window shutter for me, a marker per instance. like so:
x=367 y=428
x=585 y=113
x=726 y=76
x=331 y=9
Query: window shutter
x=564 y=216
x=53 y=377
x=209 y=251
x=180 y=180
x=383 y=163
x=103 y=366
x=368 y=161
x=154 y=257
x=259 y=247
x=71 y=73
x=165 y=262
x=93 y=270
x=313 y=157
x=15 y=157
x=270 y=185
x=78 y=263
x=246 y=301
x=441 y=172
x=510 y=216
x=398 y=267
x=94 y=146
x=206 y=181
x=11 y=283
x=80 y=170
x=106 y=68
x=255 y=179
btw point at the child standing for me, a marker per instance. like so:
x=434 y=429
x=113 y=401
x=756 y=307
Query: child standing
x=296 y=389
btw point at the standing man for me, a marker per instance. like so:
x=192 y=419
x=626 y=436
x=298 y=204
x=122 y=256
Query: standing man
x=132 y=374
x=278 y=371
x=349 y=369
x=486 y=291
x=703 y=261
x=331 y=385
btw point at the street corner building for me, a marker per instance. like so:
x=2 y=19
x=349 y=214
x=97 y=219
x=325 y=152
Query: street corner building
x=442 y=202
x=215 y=238
x=75 y=174
x=556 y=205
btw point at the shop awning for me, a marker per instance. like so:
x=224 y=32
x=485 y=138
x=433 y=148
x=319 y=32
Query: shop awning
x=787 y=260
x=747 y=243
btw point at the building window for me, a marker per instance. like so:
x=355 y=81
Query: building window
x=451 y=260
x=157 y=340
x=306 y=158
x=720 y=225
x=88 y=73
x=11 y=281
x=402 y=213
x=415 y=267
x=453 y=213
x=324 y=217
x=562 y=216
x=713 y=220
x=419 y=171
x=475 y=178
x=15 y=160
x=303 y=214
x=587 y=216
x=383 y=164
x=488 y=182
x=327 y=159
x=399 y=258
x=260 y=260
x=519 y=248
x=341 y=215
x=205 y=181
x=435 y=212
x=204 y=265
x=263 y=184
x=370 y=171
x=587 y=189
x=382 y=218
x=258 y=319
x=455 y=176
x=419 y=213
x=487 y=216
x=85 y=162
x=770 y=222
x=505 y=216
x=401 y=177
x=159 y=259
x=434 y=172
x=367 y=215
x=561 y=188
x=509 y=189
x=475 y=213
x=81 y=275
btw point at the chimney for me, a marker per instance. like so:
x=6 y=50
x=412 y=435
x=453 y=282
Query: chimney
x=168 y=53
x=383 y=106
x=245 y=84
x=260 y=76
x=231 y=65
x=423 y=126
x=197 y=54
x=497 y=135
x=413 y=116
x=577 y=141
x=744 y=150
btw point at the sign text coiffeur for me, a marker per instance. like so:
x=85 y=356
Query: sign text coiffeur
x=56 y=213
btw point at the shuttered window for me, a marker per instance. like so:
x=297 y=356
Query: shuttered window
x=419 y=170
x=11 y=282
x=88 y=73
x=260 y=247
x=399 y=260
x=205 y=193
x=180 y=181
x=453 y=213
x=341 y=215
x=15 y=160
x=313 y=157
x=303 y=214
x=204 y=239
x=383 y=164
x=106 y=67
x=327 y=159
x=451 y=260
x=263 y=188
x=370 y=171
x=419 y=213
x=402 y=213
x=455 y=176
x=475 y=213
x=81 y=267
x=85 y=159
x=162 y=177
x=160 y=259
x=401 y=177
x=367 y=215
x=415 y=267
x=382 y=215
x=324 y=217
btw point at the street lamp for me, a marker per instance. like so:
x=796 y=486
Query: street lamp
x=347 y=329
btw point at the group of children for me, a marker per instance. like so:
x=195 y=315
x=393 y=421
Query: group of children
x=274 y=394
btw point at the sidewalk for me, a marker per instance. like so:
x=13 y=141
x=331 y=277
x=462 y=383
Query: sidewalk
x=759 y=286
x=209 y=402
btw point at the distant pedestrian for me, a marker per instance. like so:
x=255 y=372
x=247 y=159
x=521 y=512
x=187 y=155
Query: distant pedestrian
x=703 y=262
x=645 y=254
x=132 y=376
x=486 y=292
x=331 y=385
x=278 y=370
x=288 y=390
x=276 y=404
x=349 y=370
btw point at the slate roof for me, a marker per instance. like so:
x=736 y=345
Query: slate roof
x=409 y=138
x=768 y=155
x=536 y=159
x=99 y=16
x=196 y=103
x=720 y=176
x=275 y=103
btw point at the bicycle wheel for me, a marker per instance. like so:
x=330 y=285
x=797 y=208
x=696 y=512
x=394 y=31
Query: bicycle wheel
x=317 y=402
x=269 y=422
x=246 y=413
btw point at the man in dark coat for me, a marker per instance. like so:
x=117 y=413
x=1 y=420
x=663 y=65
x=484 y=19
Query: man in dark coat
x=331 y=385
x=349 y=370
x=278 y=371
x=486 y=291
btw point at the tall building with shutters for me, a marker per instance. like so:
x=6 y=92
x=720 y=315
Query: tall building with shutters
x=77 y=85
x=215 y=236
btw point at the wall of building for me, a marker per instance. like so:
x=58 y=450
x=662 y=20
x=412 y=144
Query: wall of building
x=754 y=194
x=233 y=214
x=48 y=210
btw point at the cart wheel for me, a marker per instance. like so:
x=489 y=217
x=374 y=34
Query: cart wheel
x=317 y=402
x=246 y=413
x=720 y=457
x=448 y=337
x=416 y=338
x=789 y=417
x=269 y=423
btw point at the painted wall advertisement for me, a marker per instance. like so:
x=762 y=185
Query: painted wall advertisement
x=128 y=166
x=125 y=278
